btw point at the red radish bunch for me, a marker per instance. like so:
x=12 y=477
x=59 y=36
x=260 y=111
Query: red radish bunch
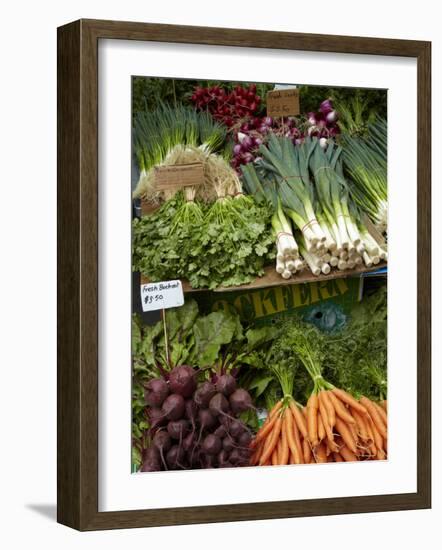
x=227 y=107
x=196 y=425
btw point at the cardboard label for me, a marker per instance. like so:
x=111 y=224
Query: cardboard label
x=179 y=175
x=161 y=295
x=282 y=103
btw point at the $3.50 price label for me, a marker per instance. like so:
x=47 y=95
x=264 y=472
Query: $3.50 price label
x=163 y=295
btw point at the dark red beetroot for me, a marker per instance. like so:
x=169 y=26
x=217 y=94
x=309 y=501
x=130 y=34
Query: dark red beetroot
x=173 y=407
x=189 y=441
x=212 y=445
x=218 y=404
x=228 y=444
x=209 y=461
x=206 y=419
x=220 y=432
x=163 y=443
x=156 y=418
x=182 y=380
x=223 y=456
x=236 y=428
x=152 y=461
x=191 y=411
x=240 y=401
x=225 y=421
x=244 y=439
x=177 y=429
x=226 y=384
x=236 y=457
x=204 y=394
x=156 y=392
x=175 y=457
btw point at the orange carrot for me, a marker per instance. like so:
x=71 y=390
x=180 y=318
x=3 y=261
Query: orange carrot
x=338 y=457
x=346 y=435
x=360 y=422
x=267 y=427
x=264 y=431
x=375 y=416
x=371 y=441
x=276 y=407
x=353 y=431
x=340 y=410
x=326 y=419
x=284 y=449
x=299 y=418
x=312 y=419
x=321 y=428
x=292 y=459
x=324 y=398
x=384 y=405
x=377 y=436
x=306 y=451
x=297 y=438
x=290 y=430
x=331 y=445
x=257 y=454
x=347 y=454
x=381 y=455
x=271 y=441
x=274 y=457
x=382 y=413
x=320 y=453
x=349 y=400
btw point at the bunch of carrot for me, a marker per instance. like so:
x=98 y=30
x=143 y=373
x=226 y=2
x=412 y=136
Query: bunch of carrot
x=333 y=427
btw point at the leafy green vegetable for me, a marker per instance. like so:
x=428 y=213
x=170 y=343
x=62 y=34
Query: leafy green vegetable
x=229 y=248
x=211 y=332
x=354 y=359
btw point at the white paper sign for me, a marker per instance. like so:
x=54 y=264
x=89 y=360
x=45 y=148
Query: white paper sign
x=161 y=295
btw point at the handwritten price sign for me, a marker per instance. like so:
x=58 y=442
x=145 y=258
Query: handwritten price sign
x=281 y=103
x=161 y=295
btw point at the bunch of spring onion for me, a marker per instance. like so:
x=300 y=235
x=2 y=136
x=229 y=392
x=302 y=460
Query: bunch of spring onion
x=365 y=161
x=348 y=242
x=310 y=189
x=288 y=260
x=160 y=135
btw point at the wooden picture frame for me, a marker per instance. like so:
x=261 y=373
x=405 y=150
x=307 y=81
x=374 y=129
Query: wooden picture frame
x=77 y=226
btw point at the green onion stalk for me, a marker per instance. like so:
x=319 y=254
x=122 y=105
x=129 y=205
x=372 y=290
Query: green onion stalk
x=294 y=187
x=365 y=161
x=264 y=189
x=156 y=135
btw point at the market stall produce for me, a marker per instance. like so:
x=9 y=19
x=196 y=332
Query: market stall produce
x=236 y=201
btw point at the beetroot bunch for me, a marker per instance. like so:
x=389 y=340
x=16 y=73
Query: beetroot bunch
x=227 y=106
x=195 y=425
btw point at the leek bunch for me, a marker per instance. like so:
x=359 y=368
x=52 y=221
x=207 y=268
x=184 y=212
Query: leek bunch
x=365 y=161
x=306 y=185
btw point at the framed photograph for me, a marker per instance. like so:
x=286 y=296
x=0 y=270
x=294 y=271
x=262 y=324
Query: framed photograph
x=243 y=275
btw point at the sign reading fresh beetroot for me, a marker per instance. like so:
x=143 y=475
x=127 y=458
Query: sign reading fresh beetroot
x=162 y=295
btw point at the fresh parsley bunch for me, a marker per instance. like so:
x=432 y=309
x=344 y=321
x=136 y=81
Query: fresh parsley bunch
x=229 y=246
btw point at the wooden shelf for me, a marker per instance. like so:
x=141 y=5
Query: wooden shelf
x=271 y=278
